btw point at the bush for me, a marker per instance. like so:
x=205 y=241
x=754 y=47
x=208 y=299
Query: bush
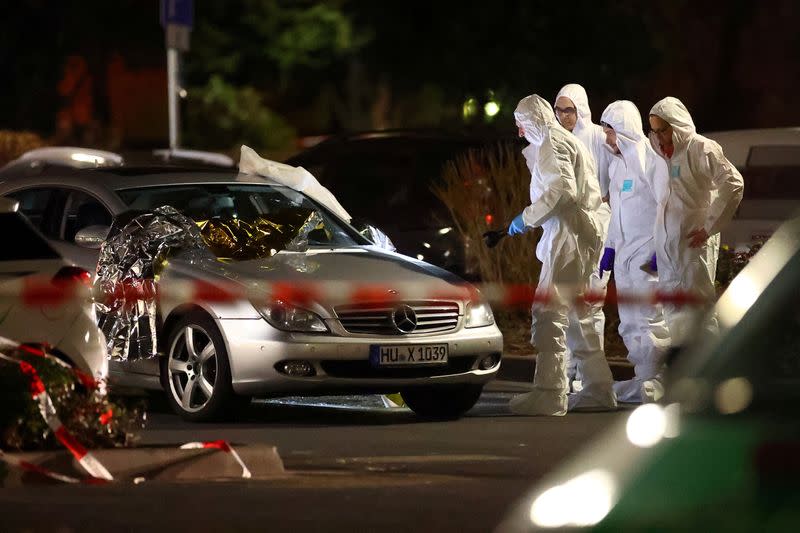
x=15 y=143
x=484 y=190
x=82 y=406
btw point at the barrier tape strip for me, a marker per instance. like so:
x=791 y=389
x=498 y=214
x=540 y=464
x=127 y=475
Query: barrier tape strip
x=48 y=411
x=223 y=446
x=37 y=293
x=42 y=471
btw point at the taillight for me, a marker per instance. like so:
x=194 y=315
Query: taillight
x=72 y=274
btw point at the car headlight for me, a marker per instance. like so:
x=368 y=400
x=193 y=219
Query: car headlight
x=478 y=314
x=290 y=318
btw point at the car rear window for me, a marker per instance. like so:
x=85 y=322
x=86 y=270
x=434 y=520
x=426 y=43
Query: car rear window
x=28 y=243
x=772 y=172
x=771 y=183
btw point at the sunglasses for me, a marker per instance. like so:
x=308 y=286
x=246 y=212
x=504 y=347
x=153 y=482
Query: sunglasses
x=565 y=110
x=606 y=125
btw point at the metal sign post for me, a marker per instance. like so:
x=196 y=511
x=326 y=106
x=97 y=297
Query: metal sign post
x=176 y=18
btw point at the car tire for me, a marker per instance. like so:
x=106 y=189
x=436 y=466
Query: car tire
x=196 y=374
x=442 y=402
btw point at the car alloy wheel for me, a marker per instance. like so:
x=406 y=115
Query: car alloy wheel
x=192 y=368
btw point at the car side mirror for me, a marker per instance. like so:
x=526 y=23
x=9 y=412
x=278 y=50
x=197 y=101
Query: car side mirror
x=92 y=236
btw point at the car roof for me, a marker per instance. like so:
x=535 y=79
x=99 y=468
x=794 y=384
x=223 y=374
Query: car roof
x=128 y=177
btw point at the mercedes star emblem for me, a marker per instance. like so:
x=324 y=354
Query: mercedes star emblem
x=404 y=318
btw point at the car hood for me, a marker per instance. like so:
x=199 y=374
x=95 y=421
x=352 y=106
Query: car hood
x=364 y=265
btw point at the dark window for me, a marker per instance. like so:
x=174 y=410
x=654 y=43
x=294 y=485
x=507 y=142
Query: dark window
x=83 y=210
x=42 y=206
x=28 y=244
x=772 y=172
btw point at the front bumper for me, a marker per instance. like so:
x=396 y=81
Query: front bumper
x=342 y=364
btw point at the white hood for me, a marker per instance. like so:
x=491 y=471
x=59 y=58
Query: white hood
x=624 y=117
x=672 y=110
x=578 y=95
x=535 y=116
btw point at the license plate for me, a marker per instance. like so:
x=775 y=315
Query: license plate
x=406 y=355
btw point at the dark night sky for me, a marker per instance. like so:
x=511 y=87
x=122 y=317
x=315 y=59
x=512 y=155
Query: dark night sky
x=735 y=63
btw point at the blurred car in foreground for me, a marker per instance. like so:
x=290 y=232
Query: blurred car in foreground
x=722 y=452
x=769 y=160
x=216 y=354
x=69 y=327
x=385 y=178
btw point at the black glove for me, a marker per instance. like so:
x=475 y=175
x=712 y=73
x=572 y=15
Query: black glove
x=492 y=238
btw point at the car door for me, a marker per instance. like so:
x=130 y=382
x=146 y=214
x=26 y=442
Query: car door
x=60 y=213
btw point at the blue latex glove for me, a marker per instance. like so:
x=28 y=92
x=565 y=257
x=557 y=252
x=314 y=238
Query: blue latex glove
x=517 y=226
x=607 y=262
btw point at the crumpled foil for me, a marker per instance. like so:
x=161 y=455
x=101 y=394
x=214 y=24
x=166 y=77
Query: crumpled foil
x=374 y=234
x=130 y=259
x=242 y=240
x=137 y=249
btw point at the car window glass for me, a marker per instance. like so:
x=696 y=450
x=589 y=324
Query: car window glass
x=42 y=206
x=83 y=210
x=248 y=203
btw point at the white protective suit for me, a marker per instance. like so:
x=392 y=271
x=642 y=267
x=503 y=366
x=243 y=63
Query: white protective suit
x=703 y=190
x=565 y=198
x=633 y=174
x=593 y=139
x=588 y=132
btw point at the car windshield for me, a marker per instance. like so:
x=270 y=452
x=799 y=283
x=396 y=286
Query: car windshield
x=227 y=201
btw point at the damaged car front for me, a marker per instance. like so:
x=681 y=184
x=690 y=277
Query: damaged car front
x=378 y=322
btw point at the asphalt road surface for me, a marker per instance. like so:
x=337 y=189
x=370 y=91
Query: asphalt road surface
x=352 y=465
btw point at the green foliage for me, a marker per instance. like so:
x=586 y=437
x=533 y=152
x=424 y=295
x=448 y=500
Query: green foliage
x=263 y=41
x=80 y=408
x=221 y=116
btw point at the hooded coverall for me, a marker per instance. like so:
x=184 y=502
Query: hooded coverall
x=633 y=174
x=565 y=198
x=703 y=190
x=593 y=138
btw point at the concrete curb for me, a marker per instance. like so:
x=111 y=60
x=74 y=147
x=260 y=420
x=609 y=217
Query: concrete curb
x=155 y=464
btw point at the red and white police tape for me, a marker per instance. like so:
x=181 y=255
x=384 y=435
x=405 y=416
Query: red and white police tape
x=48 y=411
x=37 y=292
x=97 y=472
x=222 y=446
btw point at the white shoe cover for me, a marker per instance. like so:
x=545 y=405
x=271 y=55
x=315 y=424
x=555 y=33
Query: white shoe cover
x=539 y=402
x=652 y=391
x=628 y=391
x=592 y=401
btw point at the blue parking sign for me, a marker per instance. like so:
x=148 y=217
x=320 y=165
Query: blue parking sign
x=177 y=12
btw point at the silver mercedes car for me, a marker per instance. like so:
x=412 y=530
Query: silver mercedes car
x=438 y=351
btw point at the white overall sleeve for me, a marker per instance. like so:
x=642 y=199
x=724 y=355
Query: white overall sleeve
x=557 y=173
x=728 y=183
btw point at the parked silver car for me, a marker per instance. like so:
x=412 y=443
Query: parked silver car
x=69 y=327
x=216 y=354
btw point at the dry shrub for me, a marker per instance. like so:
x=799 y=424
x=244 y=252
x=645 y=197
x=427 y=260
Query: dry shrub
x=495 y=181
x=15 y=143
